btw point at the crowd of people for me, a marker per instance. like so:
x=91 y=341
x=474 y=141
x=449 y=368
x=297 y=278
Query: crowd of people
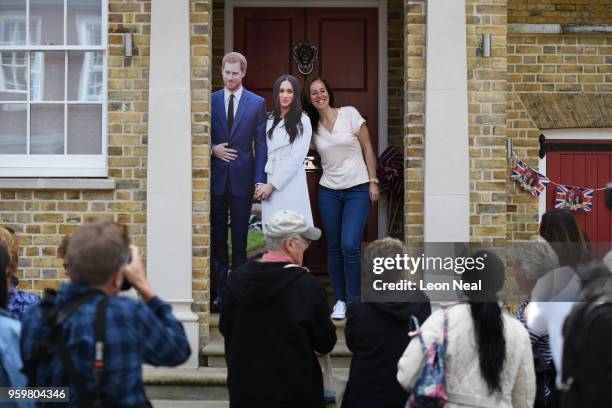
x=553 y=353
x=489 y=358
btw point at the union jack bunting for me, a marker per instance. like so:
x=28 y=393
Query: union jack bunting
x=574 y=198
x=531 y=181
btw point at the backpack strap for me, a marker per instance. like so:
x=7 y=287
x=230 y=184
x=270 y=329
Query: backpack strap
x=53 y=320
x=417 y=332
x=100 y=334
x=445 y=333
x=86 y=397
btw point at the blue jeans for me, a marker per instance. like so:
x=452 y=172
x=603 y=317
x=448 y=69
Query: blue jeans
x=344 y=214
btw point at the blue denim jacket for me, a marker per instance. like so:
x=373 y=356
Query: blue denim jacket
x=10 y=358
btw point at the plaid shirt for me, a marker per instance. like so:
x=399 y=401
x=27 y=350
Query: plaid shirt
x=136 y=333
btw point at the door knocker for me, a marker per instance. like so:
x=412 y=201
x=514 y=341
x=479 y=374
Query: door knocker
x=305 y=55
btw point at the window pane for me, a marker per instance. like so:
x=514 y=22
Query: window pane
x=85 y=75
x=13 y=130
x=13 y=22
x=47 y=129
x=47 y=76
x=84 y=22
x=84 y=129
x=13 y=85
x=47 y=22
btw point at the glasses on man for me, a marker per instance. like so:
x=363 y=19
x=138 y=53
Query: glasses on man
x=304 y=240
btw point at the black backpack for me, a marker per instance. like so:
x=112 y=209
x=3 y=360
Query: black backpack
x=584 y=334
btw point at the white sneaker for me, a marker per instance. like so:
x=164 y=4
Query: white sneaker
x=339 y=311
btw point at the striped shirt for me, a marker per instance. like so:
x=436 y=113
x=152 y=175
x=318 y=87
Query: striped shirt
x=538 y=342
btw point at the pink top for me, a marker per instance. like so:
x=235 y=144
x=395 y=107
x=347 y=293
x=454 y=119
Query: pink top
x=275 y=257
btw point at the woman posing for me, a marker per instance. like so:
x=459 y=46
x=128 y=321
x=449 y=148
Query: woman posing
x=346 y=189
x=288 y=134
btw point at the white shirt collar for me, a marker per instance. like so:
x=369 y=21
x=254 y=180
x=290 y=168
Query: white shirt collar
x=237 y=94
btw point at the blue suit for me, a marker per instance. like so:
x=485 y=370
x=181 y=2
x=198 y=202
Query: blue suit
x=232 y=183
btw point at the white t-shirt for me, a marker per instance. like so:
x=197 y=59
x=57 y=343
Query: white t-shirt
x=341 y=154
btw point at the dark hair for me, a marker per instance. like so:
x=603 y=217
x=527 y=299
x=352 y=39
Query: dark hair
x=95 y=252
x=384 y=248
x=5 y=259
x=311 y=110
x=560 y=229
x=487 y=316
x=293 y=118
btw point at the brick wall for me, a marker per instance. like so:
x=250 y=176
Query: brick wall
x=218 y=42
x=201 y=54
x=560 y=63
x=560 y=11
x=572 y=75
x=41 y=218
x=414 y=118
x=487 y=120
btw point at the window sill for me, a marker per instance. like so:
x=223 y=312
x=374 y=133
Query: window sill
x=57 y=184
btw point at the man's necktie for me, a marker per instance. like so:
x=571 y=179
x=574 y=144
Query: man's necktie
x=230 y=113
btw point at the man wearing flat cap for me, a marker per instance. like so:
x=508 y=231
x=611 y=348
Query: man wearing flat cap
x=274 y=317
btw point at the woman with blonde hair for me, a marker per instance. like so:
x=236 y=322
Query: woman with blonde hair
x=18 y=300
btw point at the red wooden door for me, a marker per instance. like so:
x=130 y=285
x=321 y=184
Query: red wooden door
x=347 y=39
x=591 y=169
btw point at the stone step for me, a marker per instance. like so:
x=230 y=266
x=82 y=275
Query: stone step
x=204 y=387
x=216 y=335
x=214 y=354
x=170 y=384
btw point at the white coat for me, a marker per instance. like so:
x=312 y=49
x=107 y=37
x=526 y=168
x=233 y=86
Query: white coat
x=285 y=170
x=465 y=385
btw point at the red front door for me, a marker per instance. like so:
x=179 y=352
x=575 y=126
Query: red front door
x=347 y=39
x=592 y=169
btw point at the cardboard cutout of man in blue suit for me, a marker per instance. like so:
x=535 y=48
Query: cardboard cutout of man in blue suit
x=238 y=124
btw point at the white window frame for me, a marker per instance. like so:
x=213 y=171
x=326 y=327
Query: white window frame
x=4 y=20
x=61 y=165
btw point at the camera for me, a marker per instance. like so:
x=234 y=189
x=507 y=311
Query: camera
x=126 y=285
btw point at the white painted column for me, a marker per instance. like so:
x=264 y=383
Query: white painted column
x=169 y=224
x=446 y=201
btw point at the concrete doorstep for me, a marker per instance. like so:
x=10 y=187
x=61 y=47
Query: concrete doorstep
x=204 y=387
x=204 y=384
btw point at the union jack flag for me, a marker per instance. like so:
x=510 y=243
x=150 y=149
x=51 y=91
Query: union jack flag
x=574 y=198
x=531 y=181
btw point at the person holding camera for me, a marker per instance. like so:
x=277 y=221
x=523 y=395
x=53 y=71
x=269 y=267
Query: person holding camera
x=85 y=337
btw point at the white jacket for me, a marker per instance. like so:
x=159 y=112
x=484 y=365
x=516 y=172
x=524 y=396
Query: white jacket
x=465 y=384
x=285 y=170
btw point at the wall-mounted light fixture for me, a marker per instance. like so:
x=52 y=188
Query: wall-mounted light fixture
x=485 y=46
x=128 y=44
